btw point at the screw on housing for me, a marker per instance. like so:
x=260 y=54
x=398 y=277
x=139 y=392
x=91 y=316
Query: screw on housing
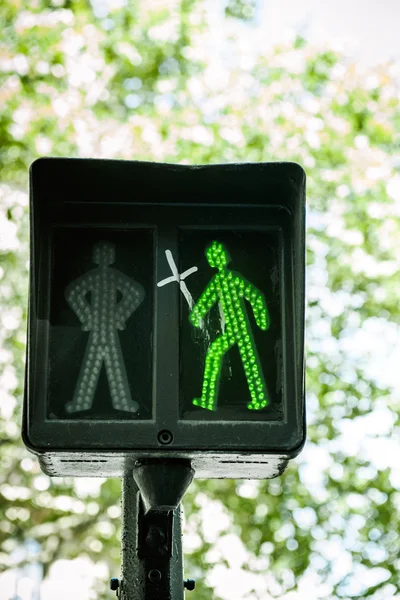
x=165 y=437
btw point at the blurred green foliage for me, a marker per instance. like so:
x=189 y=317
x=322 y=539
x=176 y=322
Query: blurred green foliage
x=142 y=80
x=241 y=9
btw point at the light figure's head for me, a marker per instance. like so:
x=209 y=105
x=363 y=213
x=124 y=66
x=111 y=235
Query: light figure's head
x=217 y=256
x=103 y=253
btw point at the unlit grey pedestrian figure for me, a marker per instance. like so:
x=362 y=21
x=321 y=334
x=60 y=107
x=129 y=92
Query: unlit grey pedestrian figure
x=103 y=317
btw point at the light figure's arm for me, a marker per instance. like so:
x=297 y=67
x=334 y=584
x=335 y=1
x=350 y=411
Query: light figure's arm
x=204 y=304
x=132 y=296
x=75 y=294
x=258 y=304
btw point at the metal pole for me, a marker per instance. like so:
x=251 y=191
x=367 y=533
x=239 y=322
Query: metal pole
x=133 y=576
x=145 y=577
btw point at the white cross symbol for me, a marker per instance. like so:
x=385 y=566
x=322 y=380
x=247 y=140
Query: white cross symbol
x=178 y=278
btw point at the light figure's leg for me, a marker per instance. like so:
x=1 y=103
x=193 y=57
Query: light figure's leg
x=117 y=378
x=88 y=378
x=252 y=370
x=212 y=372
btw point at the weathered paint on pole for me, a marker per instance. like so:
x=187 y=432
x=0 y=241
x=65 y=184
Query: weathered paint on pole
x=136 y=583
x=133 y=575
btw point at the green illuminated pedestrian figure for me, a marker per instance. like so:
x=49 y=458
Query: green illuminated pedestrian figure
x=231 y=289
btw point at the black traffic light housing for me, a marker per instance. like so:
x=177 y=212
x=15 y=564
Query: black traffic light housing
x=166 y=316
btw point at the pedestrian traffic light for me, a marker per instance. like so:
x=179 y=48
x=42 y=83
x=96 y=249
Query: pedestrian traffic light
x=166 y=316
